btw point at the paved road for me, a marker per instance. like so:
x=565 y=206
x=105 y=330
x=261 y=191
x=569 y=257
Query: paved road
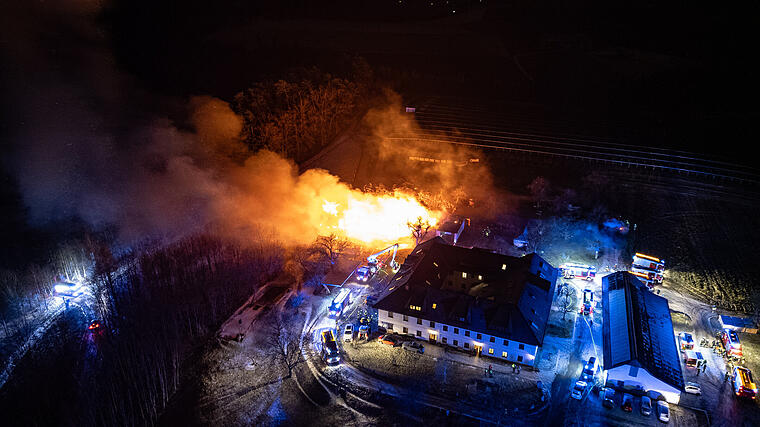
x=718 y=397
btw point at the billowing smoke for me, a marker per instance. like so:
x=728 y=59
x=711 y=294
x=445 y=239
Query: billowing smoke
x=456 y=177
x=89 y=144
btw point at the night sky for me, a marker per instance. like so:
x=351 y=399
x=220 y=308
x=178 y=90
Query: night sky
x=82 y=80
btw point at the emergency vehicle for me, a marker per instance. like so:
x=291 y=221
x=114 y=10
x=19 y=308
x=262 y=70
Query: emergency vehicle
x=648 y=268
x=577 y=271
x=341 y=301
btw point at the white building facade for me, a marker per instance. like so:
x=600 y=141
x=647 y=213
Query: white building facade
x=455 y=336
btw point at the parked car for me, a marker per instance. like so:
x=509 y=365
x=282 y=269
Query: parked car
x=389 y=339
x=590 y=369
x=693 y=388
x=646 y=405
x=744 y=385
x=627 y=404
x=348 y=333
x=413 y=346
x=663 y=411
x=577 y=391
x=609 y=398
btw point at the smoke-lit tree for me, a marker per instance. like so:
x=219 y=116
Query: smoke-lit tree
x=419 y=229
x=297 y=116
x=330 y=247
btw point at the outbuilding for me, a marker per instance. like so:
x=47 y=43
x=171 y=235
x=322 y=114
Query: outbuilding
x=738 y=324
x=640 y=350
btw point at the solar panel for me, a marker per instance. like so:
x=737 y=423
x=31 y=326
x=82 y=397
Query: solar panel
x=620 y=349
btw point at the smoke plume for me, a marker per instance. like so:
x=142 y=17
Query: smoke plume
x=87 y=142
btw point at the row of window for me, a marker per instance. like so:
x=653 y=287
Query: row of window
x=445 y=328
x=465 y=344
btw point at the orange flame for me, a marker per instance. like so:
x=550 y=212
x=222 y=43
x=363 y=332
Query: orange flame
x=375 y=218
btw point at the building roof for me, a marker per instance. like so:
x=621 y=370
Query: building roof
x=739 y=322
x=488 y=304
x=637 y=329
x=451 y=226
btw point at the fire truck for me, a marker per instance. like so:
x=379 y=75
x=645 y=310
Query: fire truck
x=365 y=272
x=330 y=352
x=648 y=269
x=340 y=302
x=645 y=278
x=577 y=271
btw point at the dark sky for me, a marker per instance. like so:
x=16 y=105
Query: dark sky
x=679 y=75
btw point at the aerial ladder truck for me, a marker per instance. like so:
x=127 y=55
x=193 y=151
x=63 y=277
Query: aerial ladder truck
x=365 y=272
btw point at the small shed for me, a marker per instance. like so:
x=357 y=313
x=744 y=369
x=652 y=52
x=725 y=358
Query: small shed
x=739 y=324
x=452 y=229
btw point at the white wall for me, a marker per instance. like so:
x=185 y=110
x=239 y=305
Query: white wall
x=512 y=348
x=644 y=381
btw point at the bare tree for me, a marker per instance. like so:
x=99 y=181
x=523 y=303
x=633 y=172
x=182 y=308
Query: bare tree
x=535 y=236
x=330 y=247
x=567 y=303
x=284 y=344
x=419 y=229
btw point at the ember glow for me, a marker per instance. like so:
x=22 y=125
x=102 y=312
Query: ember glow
x=376 y=218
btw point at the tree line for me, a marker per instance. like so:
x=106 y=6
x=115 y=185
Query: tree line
x=302 y=113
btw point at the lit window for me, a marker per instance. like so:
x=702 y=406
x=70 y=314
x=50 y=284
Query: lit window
x=464 y=275
x=480 y=277
x=434 y=306
x=504 y=266
x=504 y=354
x=490 y=351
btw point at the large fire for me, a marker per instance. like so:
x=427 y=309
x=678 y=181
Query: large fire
x=376 y=218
